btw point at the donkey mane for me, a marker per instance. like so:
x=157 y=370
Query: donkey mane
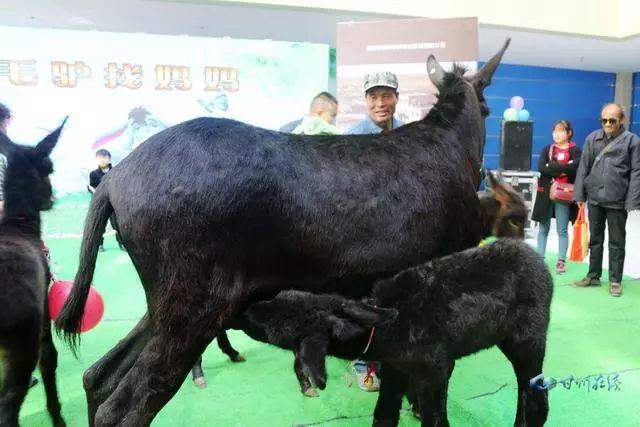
x=451 y=98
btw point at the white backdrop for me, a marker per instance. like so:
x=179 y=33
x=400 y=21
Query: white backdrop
x=118 y=88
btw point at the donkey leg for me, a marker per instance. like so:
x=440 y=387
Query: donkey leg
x=305 y=385
x=103 y=377
x=438 y=400
x=20 y=357
x=225 y=345
x=527 y=357
x=155 y=377
x=198 y=374
x=179 y=335
x=48 y=365
x=432 y=388
x=412 y=397
x=392 y=387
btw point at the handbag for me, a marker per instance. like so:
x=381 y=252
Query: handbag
x=560 y=191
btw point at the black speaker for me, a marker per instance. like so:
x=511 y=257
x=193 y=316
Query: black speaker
x=515 y=145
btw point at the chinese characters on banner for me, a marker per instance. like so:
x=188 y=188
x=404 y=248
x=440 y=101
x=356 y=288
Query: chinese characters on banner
x=131 y=76
x=120 y=89
x=20 y=73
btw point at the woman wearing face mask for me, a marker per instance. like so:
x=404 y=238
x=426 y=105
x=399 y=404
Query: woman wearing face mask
x=557 y=162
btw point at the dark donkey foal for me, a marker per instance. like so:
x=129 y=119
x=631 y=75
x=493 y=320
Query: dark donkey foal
x=425 y=318
x=502 y=213
x=25 y=328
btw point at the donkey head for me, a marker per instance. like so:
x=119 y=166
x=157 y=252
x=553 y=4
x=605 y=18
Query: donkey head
x=461 y=99
x=503 y=210
x=307 y=323
x=27 y=189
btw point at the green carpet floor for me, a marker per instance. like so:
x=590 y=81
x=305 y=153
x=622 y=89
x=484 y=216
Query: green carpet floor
x=591 y=333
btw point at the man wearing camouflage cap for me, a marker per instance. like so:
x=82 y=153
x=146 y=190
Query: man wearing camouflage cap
x=381 y=94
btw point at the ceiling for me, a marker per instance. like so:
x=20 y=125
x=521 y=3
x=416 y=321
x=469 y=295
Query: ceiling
x=297 y=24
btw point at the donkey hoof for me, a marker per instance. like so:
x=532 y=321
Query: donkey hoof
x=200 y=382
x=238 y=358
x=311 y=392
x=415 y=411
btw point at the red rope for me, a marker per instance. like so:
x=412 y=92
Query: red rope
x=373 y=331
x=372 y=369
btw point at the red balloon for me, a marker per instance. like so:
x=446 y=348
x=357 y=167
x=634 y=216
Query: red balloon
x=93 y=309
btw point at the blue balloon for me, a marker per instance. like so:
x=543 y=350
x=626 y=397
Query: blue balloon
x=523 y=115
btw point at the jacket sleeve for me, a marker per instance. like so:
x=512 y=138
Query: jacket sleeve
x=93 y=179
x=576 y=156
x=568 y=168
x=579 y=192
x=543 y=161
x=633 y=194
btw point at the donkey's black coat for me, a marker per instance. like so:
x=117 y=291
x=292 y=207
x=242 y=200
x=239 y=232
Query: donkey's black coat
x=25 y=328
x=245 y=212
x=503 y=214
x=425 y=317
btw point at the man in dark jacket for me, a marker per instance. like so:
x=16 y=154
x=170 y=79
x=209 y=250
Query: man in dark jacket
x=608 y=179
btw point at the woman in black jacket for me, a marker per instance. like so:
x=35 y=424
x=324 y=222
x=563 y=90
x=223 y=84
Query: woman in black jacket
x=558 y=162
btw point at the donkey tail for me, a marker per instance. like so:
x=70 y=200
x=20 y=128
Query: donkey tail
x=68 y=321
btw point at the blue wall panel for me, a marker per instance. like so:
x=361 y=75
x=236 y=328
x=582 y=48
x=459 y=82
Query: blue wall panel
x=635 y=105
x=550 y=94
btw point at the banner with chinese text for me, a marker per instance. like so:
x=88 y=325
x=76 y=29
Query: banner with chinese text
x=118 y=89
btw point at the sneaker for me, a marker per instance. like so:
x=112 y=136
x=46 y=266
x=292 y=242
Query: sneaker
x=587 y=282
x=33 y=382
x=560 y=267
x=101 y=248
x=615 y=289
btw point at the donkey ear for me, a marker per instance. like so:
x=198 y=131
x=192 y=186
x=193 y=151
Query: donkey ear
x=435 y=71
x=503 y=192
x=367 y=315
x=494 y=180
x=45 y=147
x=482 y=78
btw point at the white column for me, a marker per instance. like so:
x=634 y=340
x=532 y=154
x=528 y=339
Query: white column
x=624 y=89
